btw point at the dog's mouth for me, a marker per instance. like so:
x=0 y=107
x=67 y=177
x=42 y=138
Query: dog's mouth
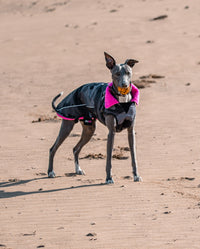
x=124 y=90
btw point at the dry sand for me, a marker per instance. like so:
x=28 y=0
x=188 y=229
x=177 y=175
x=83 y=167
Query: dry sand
x=50 y=46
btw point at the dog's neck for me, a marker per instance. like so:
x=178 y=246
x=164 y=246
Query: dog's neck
x=124 y=99
x=121 y=98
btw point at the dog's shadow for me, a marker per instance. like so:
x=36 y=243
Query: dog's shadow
x=7 y=194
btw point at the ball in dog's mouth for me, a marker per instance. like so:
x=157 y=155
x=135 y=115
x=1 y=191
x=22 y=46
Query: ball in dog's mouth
x=124 y=90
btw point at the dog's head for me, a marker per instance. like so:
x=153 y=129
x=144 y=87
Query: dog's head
x=121 y=73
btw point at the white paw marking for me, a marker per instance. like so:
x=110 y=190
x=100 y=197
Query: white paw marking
x=51 y=174
x=78 y=170
x=110 y=181
x=137 y=179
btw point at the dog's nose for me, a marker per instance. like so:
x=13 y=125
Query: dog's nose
x=124 y=84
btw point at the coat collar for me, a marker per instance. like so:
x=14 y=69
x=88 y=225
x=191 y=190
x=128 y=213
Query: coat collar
x=110 y=100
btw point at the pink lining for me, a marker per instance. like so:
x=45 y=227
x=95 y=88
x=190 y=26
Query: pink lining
x=81 y=118
x=110 y=100
x=64 y=117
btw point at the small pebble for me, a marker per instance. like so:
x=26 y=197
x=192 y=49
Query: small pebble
x=159 y=17
x=112 y=11
x=91 y=234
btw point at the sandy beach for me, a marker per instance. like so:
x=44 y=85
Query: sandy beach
x=49 y=46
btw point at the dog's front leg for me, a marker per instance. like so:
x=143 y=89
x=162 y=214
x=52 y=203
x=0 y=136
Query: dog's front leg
x=131 y=140
x=110 y=123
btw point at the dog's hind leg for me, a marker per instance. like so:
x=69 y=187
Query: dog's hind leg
x=88 y=131
x=66 y=127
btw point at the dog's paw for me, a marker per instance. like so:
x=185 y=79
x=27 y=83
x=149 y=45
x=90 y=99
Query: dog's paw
x=51 y=174
x=109 y=181
x=80 y=172
x=137 y=179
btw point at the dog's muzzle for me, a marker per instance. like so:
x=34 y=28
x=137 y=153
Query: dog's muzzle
x=124 y=90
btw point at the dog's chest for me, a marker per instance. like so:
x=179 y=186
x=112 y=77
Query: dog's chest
x=125 y=99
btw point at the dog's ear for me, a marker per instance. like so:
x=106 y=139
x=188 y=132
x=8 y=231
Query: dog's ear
x=131 y=62
x=110 y=61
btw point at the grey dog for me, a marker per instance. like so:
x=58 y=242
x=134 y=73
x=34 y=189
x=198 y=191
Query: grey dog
x=114 y=105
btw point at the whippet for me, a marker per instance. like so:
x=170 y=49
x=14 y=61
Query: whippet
x=113 y=104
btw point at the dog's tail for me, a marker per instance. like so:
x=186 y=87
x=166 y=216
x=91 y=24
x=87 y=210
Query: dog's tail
x=54 y=100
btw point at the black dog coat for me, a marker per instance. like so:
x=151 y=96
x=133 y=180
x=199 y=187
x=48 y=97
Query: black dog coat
x=95 y=101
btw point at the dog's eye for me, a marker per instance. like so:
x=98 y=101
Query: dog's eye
x=118 y=73
x=128 y=73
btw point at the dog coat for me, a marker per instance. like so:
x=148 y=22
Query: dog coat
x=95 y=101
